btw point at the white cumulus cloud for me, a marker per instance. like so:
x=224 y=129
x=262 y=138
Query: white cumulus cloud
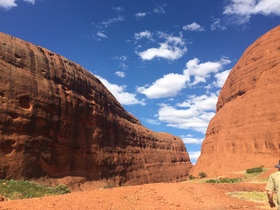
x=172 y=48
x=140 y=15
x=193 y=114
x=120 y=74
x=171 y=84
x=242 y=10
x=199 y=72
x=167 y=86
x=8 y=4
x=193 y=27
x=144 y=34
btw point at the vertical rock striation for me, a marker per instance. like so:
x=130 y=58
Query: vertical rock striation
x=57 y=119
x=245 y=132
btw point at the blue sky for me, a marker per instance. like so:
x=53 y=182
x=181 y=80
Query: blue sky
x=164 y=61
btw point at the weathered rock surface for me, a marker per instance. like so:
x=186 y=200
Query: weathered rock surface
x=57 y=119
x=245 y=132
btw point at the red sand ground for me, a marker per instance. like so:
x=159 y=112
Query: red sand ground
x=183 y=195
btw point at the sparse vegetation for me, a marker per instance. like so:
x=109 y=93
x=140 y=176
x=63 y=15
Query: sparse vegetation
x=254 y=170
x=250 y=196
x=14 y=189
x=224 y=180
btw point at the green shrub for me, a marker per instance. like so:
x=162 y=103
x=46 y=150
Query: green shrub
x=255 y=170
x=202 y=175
x=61 y=189
x=212 y=181
x=227 y=180
x=191 y=177
x=223 y=180
x=12 y=189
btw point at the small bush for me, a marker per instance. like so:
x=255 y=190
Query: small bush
x=202 y=175
x=191 y=177
x=255 y=170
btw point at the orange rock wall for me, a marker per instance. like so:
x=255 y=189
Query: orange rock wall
x=57 y=119
x=245 y=132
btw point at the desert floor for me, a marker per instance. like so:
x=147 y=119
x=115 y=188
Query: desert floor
x=183 y=195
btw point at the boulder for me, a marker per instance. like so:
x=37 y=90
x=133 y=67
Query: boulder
x=245 y=132
x=57 y=119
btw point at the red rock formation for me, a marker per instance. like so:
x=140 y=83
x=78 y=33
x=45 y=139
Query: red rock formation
x=58 y=119
x=245 y=132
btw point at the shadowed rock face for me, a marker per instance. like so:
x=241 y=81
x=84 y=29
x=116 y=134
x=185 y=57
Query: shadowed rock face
x=57 y=119
x=245 y=132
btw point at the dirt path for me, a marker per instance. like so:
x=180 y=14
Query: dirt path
x=162 y=196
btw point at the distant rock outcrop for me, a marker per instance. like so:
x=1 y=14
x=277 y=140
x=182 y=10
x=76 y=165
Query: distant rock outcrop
x=245 y=132
x=57 y=119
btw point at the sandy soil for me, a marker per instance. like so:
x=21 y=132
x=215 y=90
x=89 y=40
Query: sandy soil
x=183 y=195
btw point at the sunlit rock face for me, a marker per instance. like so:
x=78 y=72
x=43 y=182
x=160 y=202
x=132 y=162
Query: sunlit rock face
x=245 y=132
x=57 y=119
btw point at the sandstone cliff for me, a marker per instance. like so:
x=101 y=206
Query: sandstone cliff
x=245 y=132
x=57 y=119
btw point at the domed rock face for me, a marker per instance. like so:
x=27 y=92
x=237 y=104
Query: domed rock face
x=245 y=132
x=57 y=119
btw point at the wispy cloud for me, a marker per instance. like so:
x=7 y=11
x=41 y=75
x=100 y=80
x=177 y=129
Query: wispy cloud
x=103 y=26
x=8 y=4
x=171 y=84
x=193 y=27
x=124 y=97
x=109 y=22
x=122 y=61
x=172 y=48
x=217 y=25
x=158 y=9
x=241 y=11
x=118 y=9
